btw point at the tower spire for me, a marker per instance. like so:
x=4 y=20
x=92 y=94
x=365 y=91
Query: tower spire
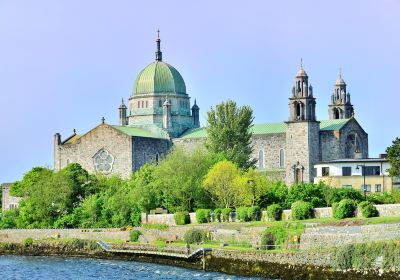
x=340 y=72
x=158 y=52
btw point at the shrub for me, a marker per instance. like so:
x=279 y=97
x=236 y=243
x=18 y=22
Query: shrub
x=368 y=210
x=182 y=218
x=254 y=213
x=301 y=210
x=334 y=195
x=226 y=213
x=344 y=209
x=194 y=235
x=343 y=257
x=274 y=212
x=203 y=215
x=280 y=234
x=242 y=214
x=135 y=235
x=28 y=242
x=267 y=241
x=381 y=198
x=217 y=214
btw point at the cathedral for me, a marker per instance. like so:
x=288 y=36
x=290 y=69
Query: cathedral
x=159 y=115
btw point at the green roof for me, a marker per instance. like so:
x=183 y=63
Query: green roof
x=135 y=131
x=159 y=77
x=269 y=128
x=332 y=124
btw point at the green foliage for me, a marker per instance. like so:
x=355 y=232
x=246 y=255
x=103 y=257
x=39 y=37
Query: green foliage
x=28 y=242
x=312 y=193
x=221 y=182
x=218 y=214
x=393 y=155
x=363 y=256
x=280 y=234
x=275 y=192
x=274 y=212
x=8 y=219
x=203 y=216
x=226 y=213
x=368 y=210
x=134 y=235
x=195 y=235
x=382 y=198
x=30 y=179
x=182 y=218
x=333 y=195
x=243 y=214
x=254 y=213
x=156 y=226
x=301 y=210
x=343 y=209
x=229 y=133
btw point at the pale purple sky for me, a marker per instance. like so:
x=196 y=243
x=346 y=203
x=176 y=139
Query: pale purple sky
x=65 y=64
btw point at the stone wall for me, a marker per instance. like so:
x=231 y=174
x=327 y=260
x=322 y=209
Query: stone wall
x=146 y=149
x=8 y=201
x=270 y=146
x=118 y=144
x=19 y=235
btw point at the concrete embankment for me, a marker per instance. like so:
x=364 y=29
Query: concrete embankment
x=279 y=265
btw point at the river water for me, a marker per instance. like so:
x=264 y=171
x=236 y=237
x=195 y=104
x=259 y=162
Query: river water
x=28 y=267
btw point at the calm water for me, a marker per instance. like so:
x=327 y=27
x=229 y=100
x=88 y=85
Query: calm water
x=21 y=267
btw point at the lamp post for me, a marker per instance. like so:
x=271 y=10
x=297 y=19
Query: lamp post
x=363 y=173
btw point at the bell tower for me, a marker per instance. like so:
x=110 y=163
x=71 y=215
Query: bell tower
x=340 y=107
x=302 y=133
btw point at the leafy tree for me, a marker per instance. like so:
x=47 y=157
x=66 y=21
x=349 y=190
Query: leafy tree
x=393 y=153
x=221 y=183
x=313 y=193
x=229 y=133
x=35 y=175
x=8 y=219
x=180 y=175
x=253 y=185
x=275 y=192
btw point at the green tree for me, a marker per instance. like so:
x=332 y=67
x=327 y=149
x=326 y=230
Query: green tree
x=221 y=182
x=229 y=133
x=393 y=153
x=180 y=175
x=36 y=174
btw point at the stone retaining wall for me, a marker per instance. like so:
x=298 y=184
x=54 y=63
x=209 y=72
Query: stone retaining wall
x=19 y=235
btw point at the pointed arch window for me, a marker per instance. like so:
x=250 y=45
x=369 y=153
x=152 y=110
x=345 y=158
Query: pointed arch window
x=282 y=158
x=260 y=159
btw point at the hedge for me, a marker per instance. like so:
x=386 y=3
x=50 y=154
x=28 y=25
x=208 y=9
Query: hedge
x=203 y=215
x=344 y=209
x=182 y=218
x=301 y=210
x=274 y=212
x=226 y=213
x=218 y=214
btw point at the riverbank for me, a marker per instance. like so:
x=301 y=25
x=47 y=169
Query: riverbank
x=277 y=265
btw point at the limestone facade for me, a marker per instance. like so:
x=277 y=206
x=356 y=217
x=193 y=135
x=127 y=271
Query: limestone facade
x=8 y=201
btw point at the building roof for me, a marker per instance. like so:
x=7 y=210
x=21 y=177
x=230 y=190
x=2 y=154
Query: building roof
x=269 y=128
x=159 y=77
x=136 y=131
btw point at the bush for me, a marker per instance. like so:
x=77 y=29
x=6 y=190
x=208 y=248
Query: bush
x=301 y=210
x=217 y=214
x=274 y=212
x=203 y=215
x=226 y=213
x=242 y=214
x=135 y=235
x=313 y=193
x=28 y=242
x=381 y=198
x=182 y=218
x=368 y=210
x=344 y=209
x=254 y=213
x=280 y=234
x=194 y=235
x=334 y=195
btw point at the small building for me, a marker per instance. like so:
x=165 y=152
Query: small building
x=350 y=173
x=8 y=201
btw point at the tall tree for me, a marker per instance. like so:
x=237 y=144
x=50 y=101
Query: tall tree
x=229 y=133
x=393 y=153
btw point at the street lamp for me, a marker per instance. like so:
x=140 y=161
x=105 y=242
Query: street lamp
x=363 y=172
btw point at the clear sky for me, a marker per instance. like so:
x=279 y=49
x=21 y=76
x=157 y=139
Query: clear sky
x=65 y=64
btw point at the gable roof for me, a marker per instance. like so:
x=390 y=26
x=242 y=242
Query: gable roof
x=135 y=131
x=268 y=128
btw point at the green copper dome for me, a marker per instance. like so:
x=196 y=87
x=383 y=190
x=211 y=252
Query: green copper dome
x=159 y=77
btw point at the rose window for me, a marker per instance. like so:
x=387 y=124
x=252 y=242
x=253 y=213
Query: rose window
x=103 y=161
